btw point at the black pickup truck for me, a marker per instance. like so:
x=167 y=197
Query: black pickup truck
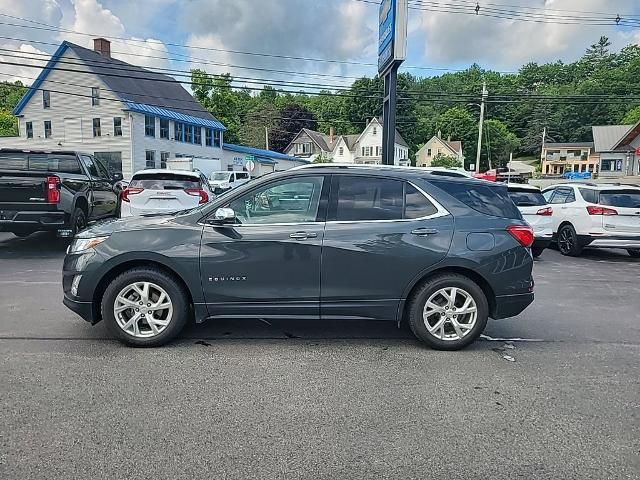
x=54 y=191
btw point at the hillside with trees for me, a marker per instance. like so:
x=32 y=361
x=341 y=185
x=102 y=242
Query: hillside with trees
x=567 y=98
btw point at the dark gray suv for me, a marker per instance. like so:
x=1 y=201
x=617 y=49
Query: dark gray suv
x=328 y=242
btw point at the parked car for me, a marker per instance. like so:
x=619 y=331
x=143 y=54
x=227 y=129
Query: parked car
x=54 y=191
x=164 y=191
x=386 y=243
x=595 y=215
x=536 y=212
x=224 y=181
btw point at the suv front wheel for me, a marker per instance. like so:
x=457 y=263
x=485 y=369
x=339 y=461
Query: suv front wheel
x=448 y=312
x=145 y=307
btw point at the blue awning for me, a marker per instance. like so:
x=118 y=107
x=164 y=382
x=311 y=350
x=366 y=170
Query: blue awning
x=260 y=153
x=175 y=116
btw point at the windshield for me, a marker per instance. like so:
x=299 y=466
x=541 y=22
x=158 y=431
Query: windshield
x=526 y=198
x=219 y=176
x=620 y=198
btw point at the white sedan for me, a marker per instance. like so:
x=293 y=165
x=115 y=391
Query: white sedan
x=536 y=213
x=164 y=191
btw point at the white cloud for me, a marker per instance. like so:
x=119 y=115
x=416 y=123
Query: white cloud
x=458 y=39
x=29 y=56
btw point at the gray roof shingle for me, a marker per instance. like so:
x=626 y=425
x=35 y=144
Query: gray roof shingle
x=605 y=137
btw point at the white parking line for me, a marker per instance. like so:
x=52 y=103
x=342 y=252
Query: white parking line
x=515 y=339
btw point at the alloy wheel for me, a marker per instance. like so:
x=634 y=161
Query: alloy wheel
x=143 y=309
x=565 y=240
x=450 y=314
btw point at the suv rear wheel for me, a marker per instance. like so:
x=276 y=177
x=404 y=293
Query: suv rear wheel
x=568 y=242
x=145 y=307
x=448 y=312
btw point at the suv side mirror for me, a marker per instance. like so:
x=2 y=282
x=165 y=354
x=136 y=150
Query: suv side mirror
x=116 y=177
x=223 y=216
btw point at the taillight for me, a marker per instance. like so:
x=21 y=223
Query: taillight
x=204 y=196
x=52 y=186
x=545 y=212
x=124 y=196
x=522 y=233
x=596 y=210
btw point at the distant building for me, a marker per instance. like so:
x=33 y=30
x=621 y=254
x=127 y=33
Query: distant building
x=237 y=157
x=436 y=146
x=560 y=158
x=365 y=148
x=617 y=149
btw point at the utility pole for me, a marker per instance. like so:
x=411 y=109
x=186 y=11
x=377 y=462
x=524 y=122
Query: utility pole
x=266 y=137
x=544 y=138
x=484 y=97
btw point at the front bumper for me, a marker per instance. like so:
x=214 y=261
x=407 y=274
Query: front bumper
x=84 y=309
x=511 y=305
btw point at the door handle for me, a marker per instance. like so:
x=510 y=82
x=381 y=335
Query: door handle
x=423 y=232
x=303 y=235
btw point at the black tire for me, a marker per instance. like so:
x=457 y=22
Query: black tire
x=78 y=221
x=568 y=242
x=431 y=286
x=537 y=251
x=177 y=295
x=633 y=253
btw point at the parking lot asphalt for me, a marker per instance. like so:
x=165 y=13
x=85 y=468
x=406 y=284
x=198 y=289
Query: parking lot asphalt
x=245 y=399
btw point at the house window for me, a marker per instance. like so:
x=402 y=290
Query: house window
x=188 y=134
x=46 y=99
x=164 y=156
x=439 y=151
x=47 y=129
x=197 y=135
x=29 y=128
x=375 y=130
x=341 y=151
x=149 y=126
x=611 y=165
x=95 y=96
x=428 y=152
x=378 y=151
x=117 y=126
x=96 y=127
x=217 y=139
x=208 y=137
x=304 y=148
x=151 y=159
x=178 y=132
x=164 y=128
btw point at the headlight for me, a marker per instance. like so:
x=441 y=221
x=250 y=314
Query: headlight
x=82 y=244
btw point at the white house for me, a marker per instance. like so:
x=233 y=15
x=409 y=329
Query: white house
x=130 y=117
x=365 y=148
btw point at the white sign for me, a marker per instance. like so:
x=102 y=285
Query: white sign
x=392 y=33
x=251 y=165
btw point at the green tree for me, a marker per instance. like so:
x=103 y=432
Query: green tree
x=10 y=94
x=499 y=143
x=252 y=131
x=322 y=158
x=442 y=160
x=459 y=124
x=293 y=118
x=8 y=124
x=632 y=117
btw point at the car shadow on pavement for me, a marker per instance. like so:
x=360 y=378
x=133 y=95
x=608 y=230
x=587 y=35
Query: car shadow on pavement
x=42 y=244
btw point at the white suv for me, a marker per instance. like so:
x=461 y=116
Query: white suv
x=598 y=216
x=536 y=212
x=225 y=181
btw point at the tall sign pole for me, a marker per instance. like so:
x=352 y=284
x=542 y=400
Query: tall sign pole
x=392 y=50
x=478 y=151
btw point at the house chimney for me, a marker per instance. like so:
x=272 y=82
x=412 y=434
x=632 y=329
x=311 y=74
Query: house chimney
x=102 y=46
x=439 y=133
x=331 y=132
x=449 y=139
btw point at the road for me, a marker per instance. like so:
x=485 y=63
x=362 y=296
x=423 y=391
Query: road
x=324 y=400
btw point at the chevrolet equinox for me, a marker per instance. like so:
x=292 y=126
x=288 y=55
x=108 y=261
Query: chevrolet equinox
x=317 y=242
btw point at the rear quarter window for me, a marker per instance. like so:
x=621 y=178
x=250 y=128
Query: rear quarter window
x=54 y=163
x=13 y=161
x=487 y=199
x=589 y=195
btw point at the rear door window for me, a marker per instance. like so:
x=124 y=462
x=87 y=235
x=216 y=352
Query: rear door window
x=416 y=204
x=526 y=198
x=164 y=181
x=488 y=199
x=363 y=198
x=560 y=196
x=620 y=198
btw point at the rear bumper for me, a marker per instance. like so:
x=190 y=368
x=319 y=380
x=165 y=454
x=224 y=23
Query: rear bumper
x=31 y=220
x=615 y=242
x=511 y=305
x=84 y=309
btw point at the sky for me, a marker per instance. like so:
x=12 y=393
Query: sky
x=183 y=34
